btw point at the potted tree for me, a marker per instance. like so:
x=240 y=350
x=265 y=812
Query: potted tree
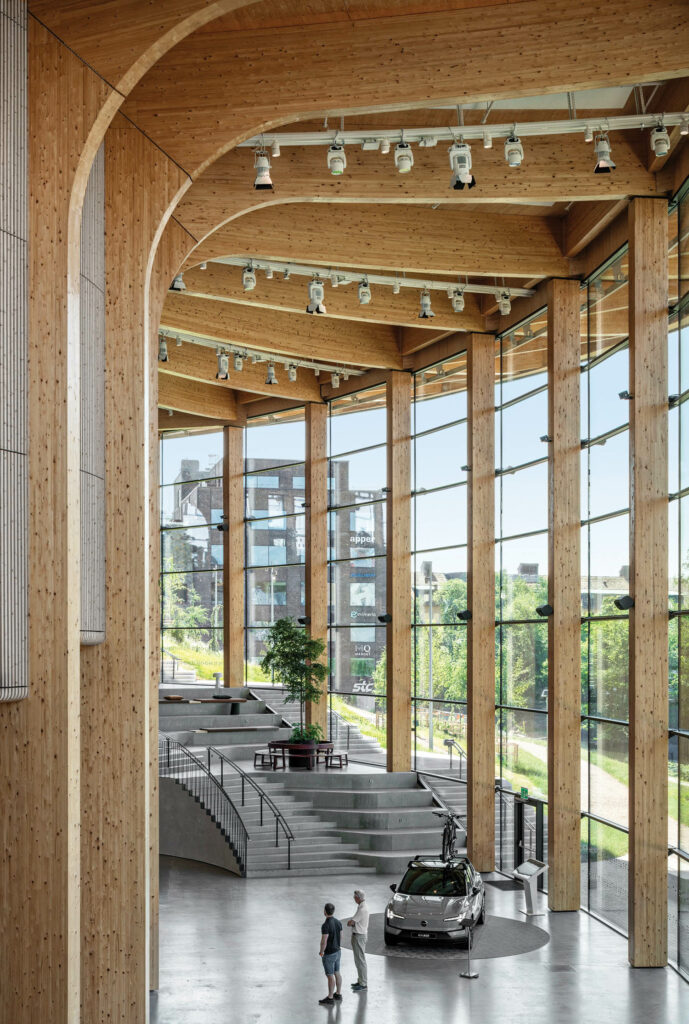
x=292 y=656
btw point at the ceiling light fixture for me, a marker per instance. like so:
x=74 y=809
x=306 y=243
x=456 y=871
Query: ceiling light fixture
x=604 y=161
x=292 y=373
x=336 y=158
x=457 y=299
x=385 y=146
x=248 y=279
x=428 y=141
x=223 y=366
x=269 y=272
x=396 y=287
x=178 y=341
x=238 y=362
x=460 y=162
x=504 y=304
x=660 y=140
x=588 y=134
x=426 y=311
x=684 y=126
x=202 y=266
x=514 y=151
x=275 y=148
x=404 y=157
x=316 y=296
x=335 y=380
x=162 y=350
x=178 y=284
x=487 y=140
x=270 y=376
x=285 y=274
x=364 y=292
x=262 y=181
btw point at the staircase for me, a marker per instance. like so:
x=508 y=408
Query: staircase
x=174 y=673
x=346 y=736
x=240 y=728
x=386 y=817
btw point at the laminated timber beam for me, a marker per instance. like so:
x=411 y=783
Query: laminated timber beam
x=410 y=239
x=197 y=362
x=233 y=556
x=197 y=399
x=559 y=170
x=284 y=334
x=223 y=283
x=189 y=117
x=316 y=562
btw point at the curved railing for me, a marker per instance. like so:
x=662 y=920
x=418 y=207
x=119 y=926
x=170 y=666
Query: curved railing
x=281 y=823
x=177 y=762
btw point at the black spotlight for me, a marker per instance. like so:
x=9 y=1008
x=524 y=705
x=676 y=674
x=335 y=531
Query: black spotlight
x=304 y=620
x=545 y=610
x=624 y=603
x=385 y=618
x=464 y=615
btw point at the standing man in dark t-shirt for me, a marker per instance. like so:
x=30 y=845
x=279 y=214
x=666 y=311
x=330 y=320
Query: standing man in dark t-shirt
x=331 y=953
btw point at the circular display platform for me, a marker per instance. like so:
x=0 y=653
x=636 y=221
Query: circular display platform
x=499 y=936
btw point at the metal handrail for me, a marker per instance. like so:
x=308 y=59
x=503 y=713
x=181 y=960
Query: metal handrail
x=177 y=762
x=436 y=796
x=280 y=820
x=451 y=745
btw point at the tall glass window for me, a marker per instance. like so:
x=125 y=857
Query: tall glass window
x=605 y=579
x=678 y=577
x=357 y=485
x=439 y=566
x=274 y=479
x=521 y=582
x=191 y=563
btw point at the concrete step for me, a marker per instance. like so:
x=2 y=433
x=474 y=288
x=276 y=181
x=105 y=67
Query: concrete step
x=354 y=799
x=424 y=840
x=382 y=818
x=202 y=720
x=345 y=868
x=344 y=780
x=388 y=862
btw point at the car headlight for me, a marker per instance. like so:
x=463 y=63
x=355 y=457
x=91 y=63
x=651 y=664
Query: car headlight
x=391 y=914
x=459 y=911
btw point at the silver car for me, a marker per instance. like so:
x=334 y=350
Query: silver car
x=433 y=900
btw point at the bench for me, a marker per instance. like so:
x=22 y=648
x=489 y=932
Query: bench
x=339 y=757
x=269 y=759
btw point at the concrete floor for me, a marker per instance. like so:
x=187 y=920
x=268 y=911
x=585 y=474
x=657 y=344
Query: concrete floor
x=237 y=951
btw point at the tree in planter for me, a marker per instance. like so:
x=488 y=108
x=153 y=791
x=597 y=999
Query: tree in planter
x=293 y=656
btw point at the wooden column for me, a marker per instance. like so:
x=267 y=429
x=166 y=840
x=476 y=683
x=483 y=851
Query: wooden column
x=564 y=625
x=140 y=184
x=40 y=870
x=398 y=570
x=481 y=593
x=316 y=567
x=648 y=619
x=233 y=556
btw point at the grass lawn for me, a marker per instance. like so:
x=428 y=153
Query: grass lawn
x=364 y=725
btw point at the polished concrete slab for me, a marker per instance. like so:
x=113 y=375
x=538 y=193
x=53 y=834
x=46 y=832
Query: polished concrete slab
x=242 y=951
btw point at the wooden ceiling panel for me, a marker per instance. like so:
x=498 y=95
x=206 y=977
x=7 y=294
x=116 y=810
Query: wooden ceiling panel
x=393 y=238
x=280 y=75
x=197 y=398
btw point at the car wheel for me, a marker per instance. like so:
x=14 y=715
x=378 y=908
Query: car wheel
x=390 y=940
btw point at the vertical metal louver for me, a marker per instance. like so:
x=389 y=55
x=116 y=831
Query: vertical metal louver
x=14 y=340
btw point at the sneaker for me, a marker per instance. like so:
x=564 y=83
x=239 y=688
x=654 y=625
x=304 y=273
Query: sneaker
x=326 y=1002
x=359 y=988
x=337 y=997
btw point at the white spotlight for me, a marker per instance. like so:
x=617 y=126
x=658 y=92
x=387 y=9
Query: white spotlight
x=426 y=311
x=660 y=140
x=487 y=140
x=460 y=162
x=428 y=141
x=162 y=350
x=404 y=157
x=223 y=366
x=514 y=151
x=684 y=127
x=170 y=412
x=262 y=181
x=364 y=292
x=604 y=160
x=178 y=284
x=316 y=296
x=270 y=376
x=337 y=161
x=202 y=266
x=275 y=148
x=269 y=272
x=588 y=134
x=504 y=304
x=178 y=341
x=248 y=279
x=457 y=299
x=335 y=380
x=385 y=146
x=396 y=288
x=291 y=373
x=238 y=362
x=285 y=274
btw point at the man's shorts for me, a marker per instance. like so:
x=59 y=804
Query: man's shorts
x=331 y=962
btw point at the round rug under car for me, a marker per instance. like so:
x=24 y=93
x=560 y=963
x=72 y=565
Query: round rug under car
x=499 y=936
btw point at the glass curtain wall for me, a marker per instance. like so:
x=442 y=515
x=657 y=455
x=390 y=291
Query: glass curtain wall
x=521 y=584
x=678 y=487
x=274 y=482
x=605 y=581
x=191 y=555
x=357 y=484
x=439 y=567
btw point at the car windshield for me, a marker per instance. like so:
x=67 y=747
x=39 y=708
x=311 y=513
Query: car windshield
x=428 y=881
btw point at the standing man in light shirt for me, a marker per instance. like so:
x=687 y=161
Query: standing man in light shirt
x=359 y=926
